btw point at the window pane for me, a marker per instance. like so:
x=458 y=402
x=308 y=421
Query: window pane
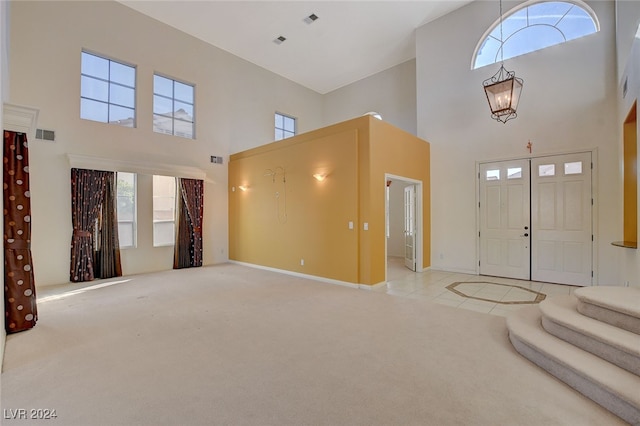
x=162 y=86
x=162 y=124
x=493 y=174
x=121 y=116
x=95 y=66
x=94 y=89
x=488 y=52
x=514 y=173
x=123 y=74
x=576 y=24
x=183 y=111
x=279 y=134
x=546 y=170
x=511 y=24
x=163 y=234
x=92 y=110
x=184 y=92
x=279 y=121
x=183 y=129
x=288 y=134
x=574 y=168
x=534 y=38
x=289 y=124
x=125 y=234
x=548 y=13
x=162 y=106
x=121 y=95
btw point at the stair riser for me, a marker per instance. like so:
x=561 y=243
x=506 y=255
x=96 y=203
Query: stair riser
x=612 y=354
x=617 y=319
x=588 y=388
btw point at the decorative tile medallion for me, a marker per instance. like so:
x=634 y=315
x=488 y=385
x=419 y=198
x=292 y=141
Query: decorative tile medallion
x=505 y=294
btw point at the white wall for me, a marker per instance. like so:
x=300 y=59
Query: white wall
x=4 y=95
x=568 y=103
x=628 y=37
x=392 y=93
x=396 y=242
x=235 y=103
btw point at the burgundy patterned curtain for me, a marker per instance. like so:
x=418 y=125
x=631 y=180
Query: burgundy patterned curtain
x=107 y=254
x=188 y=248
x=94 y=253
x=19 y=286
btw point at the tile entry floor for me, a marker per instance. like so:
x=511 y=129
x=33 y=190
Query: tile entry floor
x=483 y=295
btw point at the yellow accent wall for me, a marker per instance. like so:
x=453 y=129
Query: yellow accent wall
x=630 y=173
x=285 y=215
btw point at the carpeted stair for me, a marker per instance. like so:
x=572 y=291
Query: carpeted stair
x=590 y=340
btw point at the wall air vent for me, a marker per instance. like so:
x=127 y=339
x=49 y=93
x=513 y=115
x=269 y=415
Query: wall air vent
x=311 y=18
x=216 y=159
x=279 y=40
x=46 y=135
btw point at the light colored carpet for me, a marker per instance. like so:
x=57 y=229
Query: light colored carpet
x=231 y=345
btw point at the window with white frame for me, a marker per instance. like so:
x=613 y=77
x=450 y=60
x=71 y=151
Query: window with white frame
x=285 y=126
x=107 y=91
x=164 y=210
x=536 y=26
x=173 y=107
x=126 y=186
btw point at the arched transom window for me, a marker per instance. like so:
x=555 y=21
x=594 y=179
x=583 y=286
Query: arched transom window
x=534 y=27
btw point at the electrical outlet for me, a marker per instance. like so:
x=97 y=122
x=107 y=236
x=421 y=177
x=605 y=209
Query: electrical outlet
x=301 y=262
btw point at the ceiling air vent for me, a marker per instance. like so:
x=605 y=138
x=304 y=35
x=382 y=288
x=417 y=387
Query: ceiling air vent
x=279 y=40
x=46 y=135
x=311 y=18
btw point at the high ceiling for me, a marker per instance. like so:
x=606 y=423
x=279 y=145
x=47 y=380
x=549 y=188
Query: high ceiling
x=350 y=40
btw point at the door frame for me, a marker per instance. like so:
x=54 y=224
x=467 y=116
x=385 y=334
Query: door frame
x=594 y=195
x=419 y=218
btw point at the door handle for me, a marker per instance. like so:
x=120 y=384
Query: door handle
x=525 y=235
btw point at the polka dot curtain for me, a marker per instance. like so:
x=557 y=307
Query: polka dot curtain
x=19 y=286
x=188 y=248
x=94 y=242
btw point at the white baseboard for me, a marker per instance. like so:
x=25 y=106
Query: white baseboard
x=297 y=274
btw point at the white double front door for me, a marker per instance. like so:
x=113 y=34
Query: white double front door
x=536 y=220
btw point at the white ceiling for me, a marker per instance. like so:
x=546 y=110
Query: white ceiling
x=350 y=40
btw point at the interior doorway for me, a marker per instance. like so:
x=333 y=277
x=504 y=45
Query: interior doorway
x=403 y=228
x=535 y=219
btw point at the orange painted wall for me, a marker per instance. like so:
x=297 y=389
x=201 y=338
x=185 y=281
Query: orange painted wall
x=313 y=223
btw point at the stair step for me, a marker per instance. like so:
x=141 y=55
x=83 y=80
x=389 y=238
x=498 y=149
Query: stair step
x=618 y=306
x=608 y=385
x=618 y=346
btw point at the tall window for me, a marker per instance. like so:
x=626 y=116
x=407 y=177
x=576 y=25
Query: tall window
x=285 y=126
x=535 y=27
x=164 y=210
x=173 y=107
x=126 y=185
x=107 y=91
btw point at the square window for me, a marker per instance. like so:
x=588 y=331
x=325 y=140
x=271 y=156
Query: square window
x=285 y=126
x=574 y=168
x=493 y=175
x=546 y=170
x=107 y=91
x=173 y=107
x=514 y=173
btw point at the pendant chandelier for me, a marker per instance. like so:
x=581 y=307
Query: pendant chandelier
x=503 y=88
